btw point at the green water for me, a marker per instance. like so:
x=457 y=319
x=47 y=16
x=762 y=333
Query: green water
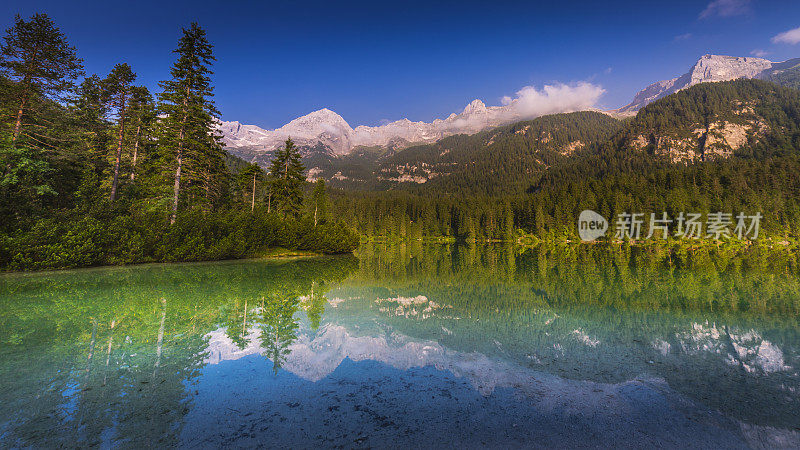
x=408 y=345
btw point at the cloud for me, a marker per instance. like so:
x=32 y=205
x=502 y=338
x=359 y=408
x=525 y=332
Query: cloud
x=725 y=8
x=788 y=37
x=531 y=102
x=528 y=103
x=759 y=53
x=683 y=37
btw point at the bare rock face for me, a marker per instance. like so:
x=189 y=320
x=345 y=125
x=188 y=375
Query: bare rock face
x=719 y=140
x=709 y=68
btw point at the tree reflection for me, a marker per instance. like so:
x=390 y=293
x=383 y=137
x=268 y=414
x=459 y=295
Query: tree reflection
x=108 y=357
x=278 y=326
x=720 y=325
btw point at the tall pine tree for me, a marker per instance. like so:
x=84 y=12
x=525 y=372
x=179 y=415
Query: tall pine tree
x=286 y=179
x=118 y=89
x=142 y=116
x=188 y=133
x=36 y=56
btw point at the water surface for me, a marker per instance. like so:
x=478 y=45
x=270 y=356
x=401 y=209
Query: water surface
x=408 y=346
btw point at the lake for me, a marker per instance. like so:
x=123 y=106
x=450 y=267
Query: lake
x=409 y=346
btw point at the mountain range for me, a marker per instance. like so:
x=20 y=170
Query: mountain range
x=328 y=129
x=324 y=136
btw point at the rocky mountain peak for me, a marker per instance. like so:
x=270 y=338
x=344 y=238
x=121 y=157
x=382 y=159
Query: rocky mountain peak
x=709 y=68
x=474 y=106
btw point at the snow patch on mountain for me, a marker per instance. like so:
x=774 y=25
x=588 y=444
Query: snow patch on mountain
x=332 y=131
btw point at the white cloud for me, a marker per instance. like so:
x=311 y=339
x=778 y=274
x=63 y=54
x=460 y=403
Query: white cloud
x=683 y=37
x=528 y=103
x=788 y=37
x=759 y=53
x=531 y=102
x=725 y=8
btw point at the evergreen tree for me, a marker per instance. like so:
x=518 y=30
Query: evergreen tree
x=142 y=115
x=250 y=175
x=287 y=179
x=188 y=133
x=118 y=89
x=320 y=200
x=36 y=56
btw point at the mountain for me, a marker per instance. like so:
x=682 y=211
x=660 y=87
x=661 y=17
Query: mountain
x=326 y=132
x=713 y=68
x=723 y=122
x=717 y=121
x=495 y=161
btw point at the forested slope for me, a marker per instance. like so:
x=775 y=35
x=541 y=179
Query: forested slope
x=731 y=146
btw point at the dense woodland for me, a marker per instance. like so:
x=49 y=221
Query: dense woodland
x=520 y=186
x=97 y=170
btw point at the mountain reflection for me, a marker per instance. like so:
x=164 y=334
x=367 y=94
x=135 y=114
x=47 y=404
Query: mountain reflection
x=116 y=356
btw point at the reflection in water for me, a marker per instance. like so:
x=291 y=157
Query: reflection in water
x=575 y=345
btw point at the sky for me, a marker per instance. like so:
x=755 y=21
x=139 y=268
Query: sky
x=377 y=61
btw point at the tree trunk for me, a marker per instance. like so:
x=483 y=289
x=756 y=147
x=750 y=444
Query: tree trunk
x=135 y=151
x=315 y=214
x=91 y=355
x=160 y=340
x=269 y=202
x=253 y=202
x=119 y=149
x=108 y=352
x=18 y=123
x=244 y=322
x=177 y=187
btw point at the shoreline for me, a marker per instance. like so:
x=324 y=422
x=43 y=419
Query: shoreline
x=276 y=254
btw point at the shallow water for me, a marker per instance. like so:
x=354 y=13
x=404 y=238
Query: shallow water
x=422 y=346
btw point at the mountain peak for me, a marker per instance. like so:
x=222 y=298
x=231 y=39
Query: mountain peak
x=475 y=106
x=708 y=68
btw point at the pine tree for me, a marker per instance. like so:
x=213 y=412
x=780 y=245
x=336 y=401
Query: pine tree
x=142 y=115
x=187 y=130
x=286 y=179
x=118 y=88
x=251 y=175
x=37 y=57
x=320 y=200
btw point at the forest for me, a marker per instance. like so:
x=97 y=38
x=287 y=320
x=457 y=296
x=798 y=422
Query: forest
x=97 y=170
x=517 y=189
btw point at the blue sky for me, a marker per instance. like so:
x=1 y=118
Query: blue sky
x=376 y=61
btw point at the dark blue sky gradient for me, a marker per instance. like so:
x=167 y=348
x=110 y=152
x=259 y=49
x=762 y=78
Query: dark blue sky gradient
x=421 y=60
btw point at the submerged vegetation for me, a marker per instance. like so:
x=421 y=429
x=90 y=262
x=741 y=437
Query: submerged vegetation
x=718 y=325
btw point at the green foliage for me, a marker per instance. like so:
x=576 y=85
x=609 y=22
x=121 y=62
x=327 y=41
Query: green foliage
x=319 y=201
x=286 y=180
x=188 y=139
x=110 y=238
x=36 y=56
x=605 y=175
x=111 y=137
